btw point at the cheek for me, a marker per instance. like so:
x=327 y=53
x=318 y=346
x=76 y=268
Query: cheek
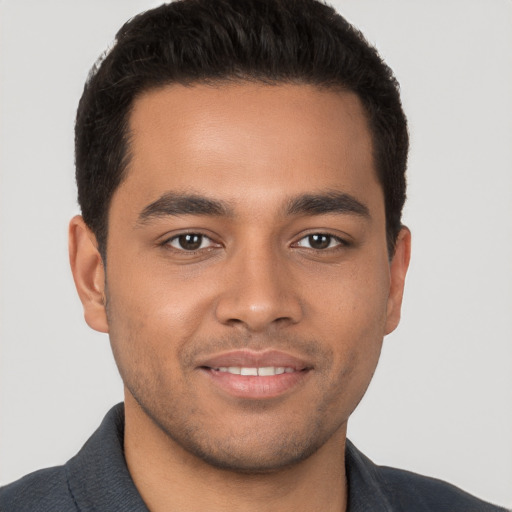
x=353 y=300
x=156 y=300
x=352 y=316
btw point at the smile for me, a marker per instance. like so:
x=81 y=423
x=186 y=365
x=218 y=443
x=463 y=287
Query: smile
x=265 y=371
x=254 y=375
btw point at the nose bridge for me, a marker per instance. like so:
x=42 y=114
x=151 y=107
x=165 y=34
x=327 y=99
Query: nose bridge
x=260 y=291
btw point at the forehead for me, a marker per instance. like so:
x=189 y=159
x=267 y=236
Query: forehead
x=227 y=139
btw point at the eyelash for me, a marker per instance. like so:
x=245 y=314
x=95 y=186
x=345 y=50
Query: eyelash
x=168 y=243
x=340 y=242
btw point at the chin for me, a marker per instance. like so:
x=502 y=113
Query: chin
x=262 y=458
x=250 y=447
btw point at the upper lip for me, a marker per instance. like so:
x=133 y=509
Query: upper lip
x=252 y=359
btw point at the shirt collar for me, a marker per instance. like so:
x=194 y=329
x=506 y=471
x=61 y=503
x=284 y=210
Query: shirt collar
x=365 y=488
x=98 y=477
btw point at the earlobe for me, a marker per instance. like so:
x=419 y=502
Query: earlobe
x=398 y=270
x=88 y=273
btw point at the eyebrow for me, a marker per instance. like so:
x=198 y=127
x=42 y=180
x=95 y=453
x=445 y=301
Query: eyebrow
x=175 y=204
x=324 y=203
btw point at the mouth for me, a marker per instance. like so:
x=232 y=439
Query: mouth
x=264 y=371
x=255 y=375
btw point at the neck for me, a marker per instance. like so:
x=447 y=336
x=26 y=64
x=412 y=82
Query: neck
x=170 y=479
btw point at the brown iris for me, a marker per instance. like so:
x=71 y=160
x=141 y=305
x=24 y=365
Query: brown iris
x=190 y=241
x=319 y=241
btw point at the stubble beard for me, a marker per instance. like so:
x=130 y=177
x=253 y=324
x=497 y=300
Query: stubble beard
x=264 y=449
x=261 y=448
x=274 y=451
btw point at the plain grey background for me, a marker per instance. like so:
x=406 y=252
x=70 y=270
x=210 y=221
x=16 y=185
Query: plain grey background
x=441 y=400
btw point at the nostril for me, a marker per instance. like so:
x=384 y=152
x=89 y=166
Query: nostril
x=234 y=321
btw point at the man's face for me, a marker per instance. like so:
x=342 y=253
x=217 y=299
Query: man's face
x=249 y=237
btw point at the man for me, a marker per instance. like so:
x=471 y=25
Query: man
x=240 y=169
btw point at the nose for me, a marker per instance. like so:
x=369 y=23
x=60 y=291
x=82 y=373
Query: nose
x=259 y=292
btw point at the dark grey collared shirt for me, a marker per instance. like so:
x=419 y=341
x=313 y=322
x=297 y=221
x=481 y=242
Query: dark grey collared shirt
x=97 y=480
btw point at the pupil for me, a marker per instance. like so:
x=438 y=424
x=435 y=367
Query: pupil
x=319 y=241
x=190 y=242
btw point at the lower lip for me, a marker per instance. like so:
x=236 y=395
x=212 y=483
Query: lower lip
x=253 y=387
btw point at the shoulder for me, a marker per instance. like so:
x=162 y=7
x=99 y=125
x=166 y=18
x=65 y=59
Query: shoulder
x=410 y=491
x=381 y=488
x=45 y=490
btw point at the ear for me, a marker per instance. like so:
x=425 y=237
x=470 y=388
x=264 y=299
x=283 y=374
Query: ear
x=88 y=273
x=398 y=270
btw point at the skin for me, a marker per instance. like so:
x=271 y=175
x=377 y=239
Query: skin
x=257 y=282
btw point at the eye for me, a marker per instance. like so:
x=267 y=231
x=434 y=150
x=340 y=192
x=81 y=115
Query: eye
x=190 y=242
x=320 y=241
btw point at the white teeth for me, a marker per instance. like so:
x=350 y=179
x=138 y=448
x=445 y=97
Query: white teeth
x=265 y=371
x=248 y=371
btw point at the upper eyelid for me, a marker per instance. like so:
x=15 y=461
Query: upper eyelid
x=168 y=238
x=338 y=239
x=343 y=239
x=167 y=244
